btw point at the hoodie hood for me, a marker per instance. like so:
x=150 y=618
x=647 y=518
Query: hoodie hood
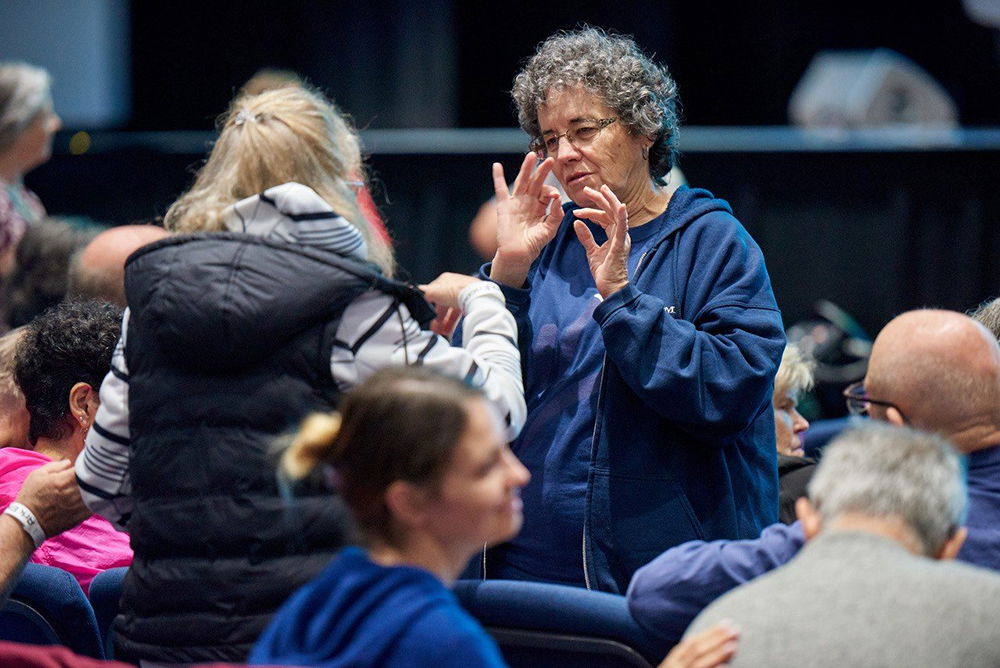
x=294 y=213
x=689 y=204
x=352 y=614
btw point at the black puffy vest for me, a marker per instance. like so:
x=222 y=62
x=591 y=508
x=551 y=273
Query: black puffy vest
x=228 y=347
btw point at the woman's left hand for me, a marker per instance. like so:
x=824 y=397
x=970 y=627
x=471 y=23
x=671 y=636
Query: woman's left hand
x=608 y=260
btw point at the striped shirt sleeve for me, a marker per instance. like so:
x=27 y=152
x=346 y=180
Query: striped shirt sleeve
x=102 y=469
x=376 y=331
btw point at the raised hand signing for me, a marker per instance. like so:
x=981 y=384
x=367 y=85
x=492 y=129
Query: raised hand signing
x=608 y=260
x=527 y=219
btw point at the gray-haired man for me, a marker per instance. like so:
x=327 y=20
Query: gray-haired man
x=873 y=585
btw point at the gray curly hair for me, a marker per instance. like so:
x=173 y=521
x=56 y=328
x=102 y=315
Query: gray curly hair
x=640 y=91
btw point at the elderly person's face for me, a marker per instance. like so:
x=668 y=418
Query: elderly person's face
x=613 y=157
x=788 y=422
x=33 y=147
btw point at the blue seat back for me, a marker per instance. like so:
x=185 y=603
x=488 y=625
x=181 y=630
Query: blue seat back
x=821 y=432
x=548 y=625
x=47 y=606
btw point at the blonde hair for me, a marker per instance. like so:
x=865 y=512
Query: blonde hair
x=279 y=136
x=796 y=371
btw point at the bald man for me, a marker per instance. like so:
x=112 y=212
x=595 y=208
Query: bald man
x=934 y=370
x=98 y=271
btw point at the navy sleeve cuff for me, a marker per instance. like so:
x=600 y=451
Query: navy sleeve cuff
x=514 y=296
x=618 y=300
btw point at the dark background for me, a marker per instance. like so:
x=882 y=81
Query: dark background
x=736 y=62
x=876 y=231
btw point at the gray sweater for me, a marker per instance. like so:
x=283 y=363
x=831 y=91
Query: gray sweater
x=856 y=599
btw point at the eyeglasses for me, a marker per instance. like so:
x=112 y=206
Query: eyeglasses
x=581 y=135
x=858 y=401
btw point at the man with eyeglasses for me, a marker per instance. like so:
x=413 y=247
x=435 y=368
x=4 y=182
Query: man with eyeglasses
x=931 y=369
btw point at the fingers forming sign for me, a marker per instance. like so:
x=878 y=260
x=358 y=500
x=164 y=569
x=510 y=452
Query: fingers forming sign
x=528 y=216
x=608 y=260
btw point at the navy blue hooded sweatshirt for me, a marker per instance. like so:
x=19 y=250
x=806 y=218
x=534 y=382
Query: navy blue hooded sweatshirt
x=357 y=613
x=649 y=420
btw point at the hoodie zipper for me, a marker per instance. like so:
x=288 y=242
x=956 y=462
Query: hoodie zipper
x=600 y=389
x=593 y=446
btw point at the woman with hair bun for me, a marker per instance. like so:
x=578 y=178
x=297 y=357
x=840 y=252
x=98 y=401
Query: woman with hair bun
x=648 y=327
x=273 y=299
x=422 y=463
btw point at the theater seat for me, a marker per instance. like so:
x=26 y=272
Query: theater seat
x=48 y=607
x=546 y=625
x=105 y=595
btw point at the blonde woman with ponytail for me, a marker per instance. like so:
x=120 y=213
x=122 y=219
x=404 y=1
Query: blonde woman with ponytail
x=422 y=463
x=273 y=298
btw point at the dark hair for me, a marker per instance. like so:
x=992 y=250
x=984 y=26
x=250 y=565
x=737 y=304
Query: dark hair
x=38 y=280
x=68 y=344
x=402 y=423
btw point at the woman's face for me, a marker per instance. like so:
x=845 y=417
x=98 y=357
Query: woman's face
x=613 y=157
x=34 y=146
x=14 y=419
x=788 y=423
x=478 y=500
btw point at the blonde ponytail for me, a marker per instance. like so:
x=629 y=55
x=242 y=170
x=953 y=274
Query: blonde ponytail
x=314 y=443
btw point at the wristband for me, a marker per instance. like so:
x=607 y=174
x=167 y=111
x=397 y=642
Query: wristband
x=23 y=514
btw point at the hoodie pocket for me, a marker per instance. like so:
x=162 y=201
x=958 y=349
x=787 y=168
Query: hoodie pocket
x=642 y=516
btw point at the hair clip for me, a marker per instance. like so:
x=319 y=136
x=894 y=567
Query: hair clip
x=241 y=118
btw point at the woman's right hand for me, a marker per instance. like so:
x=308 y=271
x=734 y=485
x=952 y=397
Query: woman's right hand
x=527 y=219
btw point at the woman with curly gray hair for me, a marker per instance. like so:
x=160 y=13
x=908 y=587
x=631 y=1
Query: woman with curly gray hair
x=649 y=332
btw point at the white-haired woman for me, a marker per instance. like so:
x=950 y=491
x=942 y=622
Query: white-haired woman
x=275 y=302
x=648 y=326
x=27 y=124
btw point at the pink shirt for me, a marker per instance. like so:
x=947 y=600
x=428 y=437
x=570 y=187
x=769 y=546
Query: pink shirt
x=85 y=550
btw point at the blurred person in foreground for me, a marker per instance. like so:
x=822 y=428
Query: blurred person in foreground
x=649 y=332
x=272 y=298
x=27 y=125
x=59 y=364
x=930 y=369
x=874 y=584
x=422 y=462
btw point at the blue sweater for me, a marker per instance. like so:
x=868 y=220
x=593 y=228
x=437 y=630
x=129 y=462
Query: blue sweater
x=649 y=421
x=357 y=613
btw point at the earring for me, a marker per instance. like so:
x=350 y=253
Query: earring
x=645 y=153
